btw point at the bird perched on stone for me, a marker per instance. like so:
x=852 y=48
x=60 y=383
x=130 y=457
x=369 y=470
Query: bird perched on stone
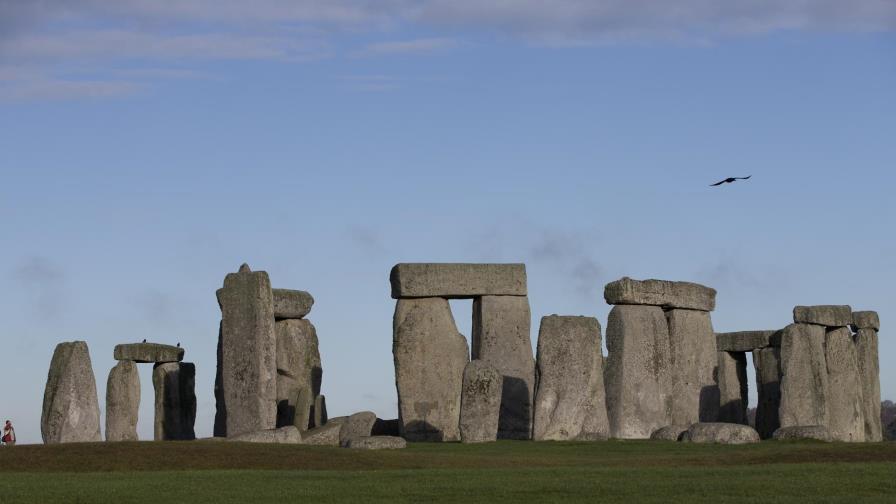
x=178 y=344
x=144 y=340
x=729 y=180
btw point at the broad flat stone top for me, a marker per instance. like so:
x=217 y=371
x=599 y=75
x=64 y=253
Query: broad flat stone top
x=747 y=341
x=826 y=315
x=691 y=296
x=866 y=320
x=291 y=304
x=148 y=352
x=457 y=280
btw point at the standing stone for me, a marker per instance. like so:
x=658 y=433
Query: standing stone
x=865 y=320
x=220 y=428
x=767 y=362
x=291 y=304
x=448 y=280
x=733 y=387
x=430 y=356
x=319 y=415
x=501 y=337
x=869 y=380
x=804 y=376
x=71 y=411
x=845 y=417
x=480 y=402
x=357 y=425
x=122 y=402
x=299 y=368
x=695 y=393
x=826 y=315
x=175 y=385
x=638 y=375
x=570 y=398
x=249 y=366
x=691 y=296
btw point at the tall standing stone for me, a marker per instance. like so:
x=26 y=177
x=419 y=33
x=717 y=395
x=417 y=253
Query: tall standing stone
x=122 y=402
x=846 y=421
x=71 y=411
x=220 y=427
x=869 y=379
x=695 y=393
x=638 y=377
x=501 y=337
x=299 y=368
x=249 y=365
x=430 y=356
x=767 y=362
x=804 y=376
x=570 y=398
x=733 y=388
x=175 y=407
x=480 y=402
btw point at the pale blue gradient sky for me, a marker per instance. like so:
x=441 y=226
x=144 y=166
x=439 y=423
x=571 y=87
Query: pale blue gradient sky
x=149 y=150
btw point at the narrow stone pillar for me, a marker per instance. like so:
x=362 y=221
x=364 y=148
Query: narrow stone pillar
x=71 y=410
x=122 y=402
x=767 y=362
x=804 y=376
x=733 y=387
x=175 y=408
x=846 y=420
x=869 y=377
x=695 y=393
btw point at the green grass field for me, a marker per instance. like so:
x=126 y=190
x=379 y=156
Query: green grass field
x=614 y=471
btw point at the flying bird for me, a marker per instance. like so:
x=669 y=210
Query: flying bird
x=729 y=180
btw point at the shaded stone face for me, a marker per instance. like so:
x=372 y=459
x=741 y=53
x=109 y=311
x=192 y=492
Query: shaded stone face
x=325 y=435
x=453 y=280
x=865 y=320
x=319 y=415
x=670 y=433
x=298 y=371
x=692 y=341
x=747 y=341
x=801 y=432
x=826 y=315
x=804 y=376
x=733 y=387
x=687 y=295
x=122 y=402
x=71 y=411
x=869 y=382
x=845 y=419
x=175 y=406
x=148 y=353
x=356 y=426
x=501 y=337
x=570 y=402
x=291 y=304
x=724 y=433
x=480 y=402
x=767 y=362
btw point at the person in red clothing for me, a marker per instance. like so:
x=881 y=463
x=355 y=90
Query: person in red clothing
x=9 y=434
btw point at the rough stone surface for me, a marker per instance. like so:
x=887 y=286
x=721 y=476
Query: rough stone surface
x=480 y=402
x=797 y=432
x=148 y=352
x=430 y=356
x=447 y=280
x=804 y=376
x=638 y=377
x=570 y=401
x=220 y=427
x=248 y=356
x=692 y=343
x=175 y=406
x=283 y=435
x=319 y=414
x=846 y=421
x=691 y=296
x=724 y=433
x=122 y=402
x=291 y=304
x=826 y=315
x=377 y=443
x=71 y=411
x=732 y=377
x=299 y=371
x=325 y=435
x=865 y=320
x=502 y=338
x=387 y=427
x=357 y=425
x=767 y=362
x=670 y=433
x=869 y=380
x=747 y=341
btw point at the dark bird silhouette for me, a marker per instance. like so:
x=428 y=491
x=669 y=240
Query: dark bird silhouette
x=729 y=180
x=178 y=344
x=144 y=340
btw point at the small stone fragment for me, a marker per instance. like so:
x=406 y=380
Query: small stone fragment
x=800 y=432
x=826 y=315
x=122 y=402
x=376 y=443
x=670 y=433
x=723 y=433
x=357 y=425
x=480 y=402
x=71 y=410
x=687 y=295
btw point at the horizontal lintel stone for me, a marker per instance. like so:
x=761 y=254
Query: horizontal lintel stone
x=291 y=304
x=664 y=293
x=148 y=352
x=747 y=341
x=826 y=315
x=457 y=280
x=866 y=320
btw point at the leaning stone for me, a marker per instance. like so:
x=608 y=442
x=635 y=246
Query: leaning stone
x=319 y=414
x=283 y=435
x=804 y=376
x=747 y=341
x=71 y=411
x=122 y=402
x=723 y=433
x=480 y=402
x=377 y=443
x=501 y=337
x=845 y=402
x=325 y=435
x=799 y=432
x=357 y=425
x=865 y=320
x=869 y=380
x=670 y=433
x=386 y=427
x=447 y=280
x=430 y=356
x=175 y=408
x=767 y=362
x=692 y=342
x=732 y=377
x=148 y=353
x=691 y=296
x=638 y=378
x=291 y=304
x=570 y=402
x=826 y=315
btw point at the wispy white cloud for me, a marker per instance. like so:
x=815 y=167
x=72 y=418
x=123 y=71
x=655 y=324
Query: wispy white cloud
x=413 y=46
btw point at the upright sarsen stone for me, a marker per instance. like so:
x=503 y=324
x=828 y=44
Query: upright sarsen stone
x=733 y=388
x=804 y=376
x=453 y=280
x=122 y=402
x=846 y=421
x=175 y=408
x=767 y=362
x=695 y=393
x=480 y=402
x=299 y=369
x=501 y=337
x=71 y=411
x=869 y=379
x=430 y=356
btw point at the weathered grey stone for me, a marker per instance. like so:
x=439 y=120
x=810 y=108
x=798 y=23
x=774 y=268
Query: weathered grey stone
x=388 y=427
x=248 y=353
x=804 y=376
x=732 y=377
x=452 y=280
x=122 y=402
x=692 y=343
x=638 y=378
x=570 y=402
x=325 y=435
x=377 y=443
x=826 y=315
x=319 y=413
x=798 y=432
x=71 y=411
x=175 y=407
x=724 y=433
x=283 y=435
x=220 y=427
x=691 y=296
x=501 y=337
x=865 y=320
x=480 y=402
x=357 y=425
x=299 y=372
x=767 y=362
x=148 y=352
x=747 y=341
x=845 y=419
x=430 y=356
x=291 y=304
x=670 y=433
x=869 y=380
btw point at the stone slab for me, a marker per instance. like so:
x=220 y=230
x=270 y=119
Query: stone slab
x=692 y=343
x=357 y=425
x=283 y=435
x=747 y=341
x=767 y=362
x=802 y=432
x=377 y=443
x=826 y=315
x=148 y=352
x=664 y=293
x=719 y=432
x=846 y=420
x=175 y=401
x=457 y=280
x=804 y=376
x=325 y=435
x=866 y=341
x=733 y=387
x=670 y=433
x=480 y=402
x=865 y=320
x=122 y=402
x=291 y=304
x=71 y=410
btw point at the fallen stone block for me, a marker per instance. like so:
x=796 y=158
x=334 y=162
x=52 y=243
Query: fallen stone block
x=692 y=343
x=480 y=402
x=802 y=432
x=723 y=433
x=376 y=443
x=826 y=315
x=71 y=410
x=457 y=281
x=767 y=362
x=284 y=435
x=122 y=402
x=357 y=425
x=325 y=435
x=291 y=304
x=865 y=320
x=869 y=380
x=670 y=433
x=687 y=295
x=148 y=353
x=846 y=421
x=175 y=401
x=747 y=341
x=804 y=376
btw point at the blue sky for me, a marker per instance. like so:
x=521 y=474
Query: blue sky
x=148 y=148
